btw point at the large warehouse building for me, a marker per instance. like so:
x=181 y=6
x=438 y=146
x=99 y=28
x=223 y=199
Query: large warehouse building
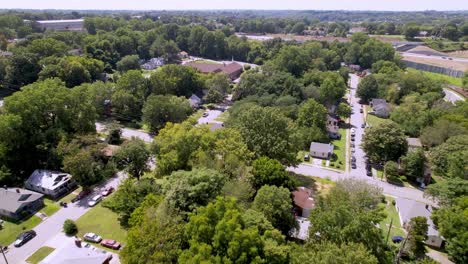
x=61 y=25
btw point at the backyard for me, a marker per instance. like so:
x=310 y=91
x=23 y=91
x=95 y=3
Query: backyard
x=103 y=222
x=39 y=255
x=339 y=151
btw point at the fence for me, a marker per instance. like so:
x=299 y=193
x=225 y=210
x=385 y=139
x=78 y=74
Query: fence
x=432 y=68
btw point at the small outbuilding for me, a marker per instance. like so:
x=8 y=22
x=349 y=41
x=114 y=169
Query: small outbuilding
x=303 y=201
x=380 y=108
x=195 y=101
x=321 y=150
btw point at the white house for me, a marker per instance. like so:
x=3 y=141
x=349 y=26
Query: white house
x=321 y=150
x=408 y=209
x=50 y=183
x=195 y=101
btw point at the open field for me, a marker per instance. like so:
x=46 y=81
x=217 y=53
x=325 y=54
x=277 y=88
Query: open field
x=373 y=120
x=444 y=78
x=39 y=255
x=103 y=222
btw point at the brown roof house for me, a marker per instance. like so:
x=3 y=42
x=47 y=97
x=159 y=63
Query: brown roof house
x=16 y=203
x=303 y=201
x=233 y=69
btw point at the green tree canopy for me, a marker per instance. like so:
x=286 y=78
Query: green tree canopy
x=160 y=109
x=385 y=142
x=133 y=157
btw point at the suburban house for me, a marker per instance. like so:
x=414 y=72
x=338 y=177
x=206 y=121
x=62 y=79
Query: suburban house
x=357 y=30
x=321 y=150
x=50 y=183
x=408 y=209
x=303 y=201
x=413 y=144
x=76 y=253
x=16 y=203
x=233 y=70
x=61 y=25
x=380 y=108
x=183 y=55
x=153 y=63
x=195 y=101
x=332 y=127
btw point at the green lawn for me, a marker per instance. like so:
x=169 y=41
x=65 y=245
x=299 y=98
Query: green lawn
x=39 y=255
x=340 y=151
x=103 y=222
x=375 y=120
x=50 y=207
x=11 y=230
x=392 y=216
x=444 y=78
x=223 y=116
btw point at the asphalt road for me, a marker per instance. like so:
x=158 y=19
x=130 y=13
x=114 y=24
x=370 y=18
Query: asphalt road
x=409 y=54
x=356 y=120
x=52 y=226
x=128 y=132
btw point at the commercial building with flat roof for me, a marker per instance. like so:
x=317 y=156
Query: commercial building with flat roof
x=61 y=25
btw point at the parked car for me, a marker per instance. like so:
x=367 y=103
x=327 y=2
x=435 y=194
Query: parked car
x=353 y=159
x=353 y=150
x=205 y=114
x=110 y=243
x=361 y=110
x=363 y=125
x=353 y=165
x=353 y=131
x=397 y=239
x=107 y=191
x=81 y=195
x=306 y=157
x=353 y=138
x=95 y=200
x=92 y=237
x=369 y=172
x=24 y=237
x=352 y=145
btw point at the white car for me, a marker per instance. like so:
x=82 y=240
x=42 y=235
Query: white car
x=353 y=131
x=91 y=237
x=95 y=200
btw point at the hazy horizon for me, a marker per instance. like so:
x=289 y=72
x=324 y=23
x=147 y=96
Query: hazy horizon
x=174 y=5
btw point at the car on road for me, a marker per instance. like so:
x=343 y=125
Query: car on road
x=353 y=138
x=353 y=150
x=353 y=145
x=24 y=237
x=306 y=157
x=110 y=243
x=92 y=237
x=353 y=159
x=369 y=172
x=205 y=114
x=107 y=191
x=81 y=195
x=363 y=125
x=353 y=165
x=95 y=200
x=361 y=110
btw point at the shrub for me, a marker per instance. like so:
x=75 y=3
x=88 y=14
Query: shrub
x=332 y=164
x=69 y=227
x=338 y=166
x=403 y=178
x=393 y=202
x=247 y=67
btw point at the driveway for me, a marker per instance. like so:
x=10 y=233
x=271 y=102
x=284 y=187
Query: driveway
x=210 y=119
x=128 y=132
x=52 y=226
x=452 y=96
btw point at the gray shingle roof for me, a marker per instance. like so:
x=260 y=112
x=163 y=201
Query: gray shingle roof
x=321 y=147
x=408 y=209
x=11 y=200
x=48 y=179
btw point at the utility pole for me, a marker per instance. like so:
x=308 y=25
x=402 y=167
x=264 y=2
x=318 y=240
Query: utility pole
x=397 y=258
x=390 y=228
x=3 y=253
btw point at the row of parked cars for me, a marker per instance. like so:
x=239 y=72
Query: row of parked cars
x=109 y=243
x=96 y=199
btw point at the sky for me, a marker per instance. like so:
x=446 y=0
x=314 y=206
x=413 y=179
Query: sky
x=388 y=5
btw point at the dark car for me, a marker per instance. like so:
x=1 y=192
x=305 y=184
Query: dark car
x=81 y=195
x=353 y=165
x=361 y=111
x=353 y=159
x=363 y=125
x=369 y=172
x=397 y=239
x=352 y=145
x=24 y=237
